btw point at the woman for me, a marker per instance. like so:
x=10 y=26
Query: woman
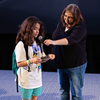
x=30 y=81
x=70 y=52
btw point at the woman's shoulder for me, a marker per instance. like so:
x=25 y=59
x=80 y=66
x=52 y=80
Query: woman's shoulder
x=80 y=25
x=60 y=24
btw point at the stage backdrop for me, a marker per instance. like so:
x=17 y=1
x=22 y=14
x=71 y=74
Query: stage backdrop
x=13 y=12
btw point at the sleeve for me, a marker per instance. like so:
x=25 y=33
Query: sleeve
x=20 y=52
x=77 y=34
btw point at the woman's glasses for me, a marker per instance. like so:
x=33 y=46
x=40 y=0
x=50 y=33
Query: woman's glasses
x=69 y=17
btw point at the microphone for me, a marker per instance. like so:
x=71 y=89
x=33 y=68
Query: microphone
x=41 y=40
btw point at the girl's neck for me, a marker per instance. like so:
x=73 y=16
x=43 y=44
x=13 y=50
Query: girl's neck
x=33 y=40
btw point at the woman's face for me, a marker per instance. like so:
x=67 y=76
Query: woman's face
x=36 y=30
x=68 y=18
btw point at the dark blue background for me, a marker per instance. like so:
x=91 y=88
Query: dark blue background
x=13 y=12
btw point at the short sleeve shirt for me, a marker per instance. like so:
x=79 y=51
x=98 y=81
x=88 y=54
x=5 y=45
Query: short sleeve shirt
x=32 y=79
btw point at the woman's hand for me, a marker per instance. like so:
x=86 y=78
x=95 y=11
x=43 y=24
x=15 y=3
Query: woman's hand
x=48 y=57
x=51 y=56
x=48 y=42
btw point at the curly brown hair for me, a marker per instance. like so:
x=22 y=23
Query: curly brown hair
x=26 y=28
x=75 y=11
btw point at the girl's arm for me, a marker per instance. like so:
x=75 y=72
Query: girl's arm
x=30 y=61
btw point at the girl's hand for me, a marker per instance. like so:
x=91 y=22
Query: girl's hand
x=35 y=60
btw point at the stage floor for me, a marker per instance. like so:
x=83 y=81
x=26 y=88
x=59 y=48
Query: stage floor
x=50 y=89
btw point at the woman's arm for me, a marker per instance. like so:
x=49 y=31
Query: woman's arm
x=63 y=41
x=76 y=35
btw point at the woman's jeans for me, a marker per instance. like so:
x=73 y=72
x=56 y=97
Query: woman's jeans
x=71 y=79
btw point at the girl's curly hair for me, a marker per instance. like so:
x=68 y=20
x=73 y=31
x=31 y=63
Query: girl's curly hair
x=26 y=28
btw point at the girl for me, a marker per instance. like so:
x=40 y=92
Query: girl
x=29 y=72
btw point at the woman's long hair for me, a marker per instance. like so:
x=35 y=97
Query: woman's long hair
x=75 y=11
x=26 y=28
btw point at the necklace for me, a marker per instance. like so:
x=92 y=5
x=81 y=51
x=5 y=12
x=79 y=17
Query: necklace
x=35 y=48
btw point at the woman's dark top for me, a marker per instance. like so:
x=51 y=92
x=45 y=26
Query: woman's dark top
x=74 y=54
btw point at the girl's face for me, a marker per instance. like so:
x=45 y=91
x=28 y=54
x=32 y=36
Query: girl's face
x=36 y=30
x=68 y=18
